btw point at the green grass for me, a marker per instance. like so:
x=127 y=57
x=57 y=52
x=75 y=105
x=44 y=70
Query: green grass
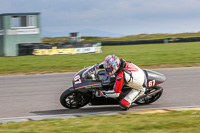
x=171 y=122
x=124 y=38
x=142 y=55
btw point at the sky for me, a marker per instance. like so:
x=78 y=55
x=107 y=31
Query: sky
x=127 y=17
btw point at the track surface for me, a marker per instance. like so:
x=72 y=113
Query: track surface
x=33 y=95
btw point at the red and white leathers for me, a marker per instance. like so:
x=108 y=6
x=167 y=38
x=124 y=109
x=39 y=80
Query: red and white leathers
x=132 y=76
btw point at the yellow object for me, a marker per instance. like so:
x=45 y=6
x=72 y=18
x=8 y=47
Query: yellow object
x=54 y=51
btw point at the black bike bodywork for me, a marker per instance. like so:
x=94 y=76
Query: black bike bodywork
x=89 y=80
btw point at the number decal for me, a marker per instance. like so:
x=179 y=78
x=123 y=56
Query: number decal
x=152 y=83
x=77 y=79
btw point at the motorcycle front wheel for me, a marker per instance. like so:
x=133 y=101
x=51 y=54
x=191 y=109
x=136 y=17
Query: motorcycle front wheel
x=72 y=99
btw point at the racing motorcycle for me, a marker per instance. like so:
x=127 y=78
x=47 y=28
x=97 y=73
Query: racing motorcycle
x=90 y=80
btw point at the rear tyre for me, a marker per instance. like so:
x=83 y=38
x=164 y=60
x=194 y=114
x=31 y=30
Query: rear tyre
x=73 y=99
x=150 y=99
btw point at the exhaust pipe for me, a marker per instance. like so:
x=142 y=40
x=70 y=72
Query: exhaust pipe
x=152 y=93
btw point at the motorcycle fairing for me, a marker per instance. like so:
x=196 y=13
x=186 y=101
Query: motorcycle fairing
x=154 y=78
x=84 y=84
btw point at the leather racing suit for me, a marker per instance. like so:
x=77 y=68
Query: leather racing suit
x=130 y=75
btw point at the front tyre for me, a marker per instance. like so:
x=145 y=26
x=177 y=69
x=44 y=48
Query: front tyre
x=72 y=99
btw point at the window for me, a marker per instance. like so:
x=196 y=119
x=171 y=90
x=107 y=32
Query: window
x=32 y=21
x=23 y=21
x=16 y=21
x=1 y=23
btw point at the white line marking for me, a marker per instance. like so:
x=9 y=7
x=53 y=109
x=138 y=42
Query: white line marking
x=40 y=117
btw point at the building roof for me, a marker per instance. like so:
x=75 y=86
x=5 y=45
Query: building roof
x=30 y=13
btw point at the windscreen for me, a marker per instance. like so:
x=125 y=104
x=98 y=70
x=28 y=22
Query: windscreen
x=87 y=73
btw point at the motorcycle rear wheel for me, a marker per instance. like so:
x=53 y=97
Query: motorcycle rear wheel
x=151 y=99
x=72 y=99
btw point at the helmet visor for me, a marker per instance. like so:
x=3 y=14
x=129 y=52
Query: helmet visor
x=109 y=70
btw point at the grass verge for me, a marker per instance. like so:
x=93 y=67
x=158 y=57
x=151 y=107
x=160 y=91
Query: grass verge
x=124 y=38
x=171 y=122
x=156 y=55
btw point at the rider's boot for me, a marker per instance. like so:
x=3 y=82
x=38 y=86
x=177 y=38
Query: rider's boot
x=125 y=103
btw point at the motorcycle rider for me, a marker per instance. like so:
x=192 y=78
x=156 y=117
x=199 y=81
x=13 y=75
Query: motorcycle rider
x=126 y=74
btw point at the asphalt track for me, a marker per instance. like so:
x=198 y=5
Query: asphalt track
x=38 y=95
